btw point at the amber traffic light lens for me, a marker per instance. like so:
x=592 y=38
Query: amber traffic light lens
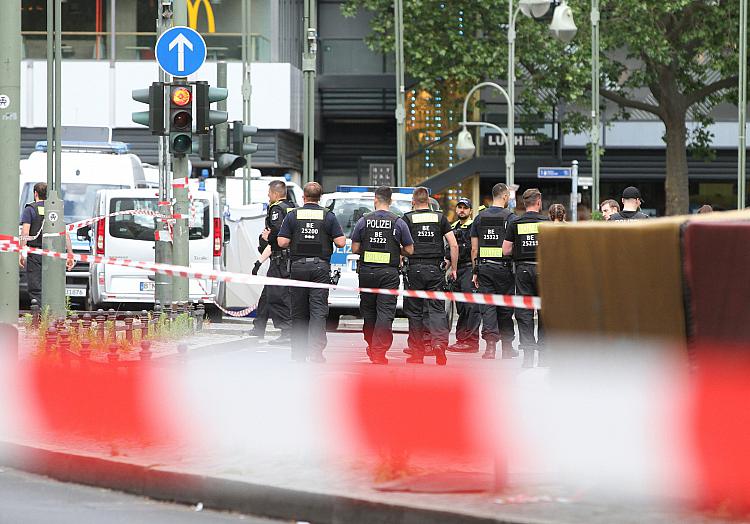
x=181 y=96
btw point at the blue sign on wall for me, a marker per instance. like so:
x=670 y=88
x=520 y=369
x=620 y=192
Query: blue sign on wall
x=180 y=51
x=554 y=172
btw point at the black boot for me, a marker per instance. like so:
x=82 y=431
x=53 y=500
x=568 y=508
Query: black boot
x=417 y=357
x=489 y=350
x=440 y=358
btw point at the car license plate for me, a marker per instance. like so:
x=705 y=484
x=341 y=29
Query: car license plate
x=75 y=292
x=147 y=286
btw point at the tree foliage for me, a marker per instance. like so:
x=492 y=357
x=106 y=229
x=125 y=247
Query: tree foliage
x=676 y=59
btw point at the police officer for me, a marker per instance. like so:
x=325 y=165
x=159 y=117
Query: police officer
x=32 y=220
x=310 y=233
x=279 y=298
x=469 y=315
x=428 y=229
x=380 y=238
x=522 y=241
x=631 y=204
x=493 y=272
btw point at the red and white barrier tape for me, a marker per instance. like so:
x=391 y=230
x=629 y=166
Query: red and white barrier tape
x=522 y=302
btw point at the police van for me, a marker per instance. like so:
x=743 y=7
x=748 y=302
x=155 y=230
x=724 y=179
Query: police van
x=349 y=204
x=132 y=237
x=86 y=167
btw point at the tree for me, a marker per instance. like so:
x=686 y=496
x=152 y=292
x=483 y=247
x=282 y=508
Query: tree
x=676 y=59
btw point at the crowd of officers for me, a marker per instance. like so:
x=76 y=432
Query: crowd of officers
x=493 y=252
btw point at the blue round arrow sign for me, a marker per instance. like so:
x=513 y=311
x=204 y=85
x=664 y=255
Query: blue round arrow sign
x=180 y=51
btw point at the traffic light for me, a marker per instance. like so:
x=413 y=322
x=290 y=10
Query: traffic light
x=154 y=117
x=239 y=133
x=226 y=162
x=181 y=119
x=205 y=95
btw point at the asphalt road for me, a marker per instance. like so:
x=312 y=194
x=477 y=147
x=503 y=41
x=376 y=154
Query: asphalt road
x=31 y=499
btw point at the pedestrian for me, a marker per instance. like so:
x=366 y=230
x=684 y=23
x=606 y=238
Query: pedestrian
x=32 y=222
x=310 y=233
x=469 y=315
x=631 y=204
x=557 y=213
x=426 y=271
x=493 y=272
x=262 y=313
x=522 y=242
x=380 y=238
x=705 y=209
x=279 y=297
x=609 y=208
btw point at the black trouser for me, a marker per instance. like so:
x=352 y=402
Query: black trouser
x=34 y=277
x=426 y=317
x=378 y=311
x=261 y=312
x=279 y=297
x=497 y=322
x=469 y=315
x=526 y=284
x=310 y=307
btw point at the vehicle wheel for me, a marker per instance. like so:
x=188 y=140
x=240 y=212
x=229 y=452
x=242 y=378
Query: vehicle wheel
x=214 y=314
x=332 y=322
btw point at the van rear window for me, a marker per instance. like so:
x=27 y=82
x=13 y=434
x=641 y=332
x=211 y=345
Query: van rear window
x=143 y=227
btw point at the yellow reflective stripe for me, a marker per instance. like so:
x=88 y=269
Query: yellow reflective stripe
x=491 y=252
x=528 y=229
x=40 y=210
x=376 y=257
x=310 y=214
x=424 y=218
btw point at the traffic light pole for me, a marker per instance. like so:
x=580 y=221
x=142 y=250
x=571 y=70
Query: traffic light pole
x=309 y=67
x=163 y=249
x=247 y=8
x=221 y=136
x=10 y=146
x=53 y=269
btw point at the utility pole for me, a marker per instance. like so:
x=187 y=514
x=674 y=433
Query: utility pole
x=220 y=136
x=595 y=118
x=309 y=67
x=163 y=248
x=10 y=146
x=53 y=270
x=247 y=89
x=398 y=11
x=180 y=247
x=511 y=165
x=742 y=107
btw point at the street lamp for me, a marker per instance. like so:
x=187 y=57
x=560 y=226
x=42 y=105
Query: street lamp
x=562 y=27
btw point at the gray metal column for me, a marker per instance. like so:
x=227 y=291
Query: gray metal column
x=309 y=67
x=595 y=118
x=742 y=107
x=247 y=14
x=398 y=8
x=221 y=134
x=53 y=270
x=10 y=147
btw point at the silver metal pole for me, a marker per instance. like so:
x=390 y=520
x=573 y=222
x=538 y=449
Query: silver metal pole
x=309 y=68
x=511 y=163
x=163 y=249
x=742 y=107
x=247 y=58
x=574 y=194
x=221 y=144
x=398 y=9
x=10 y=147
x=595 y=117
x=509 y=155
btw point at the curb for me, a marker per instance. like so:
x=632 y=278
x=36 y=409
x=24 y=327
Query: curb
x=223 y=494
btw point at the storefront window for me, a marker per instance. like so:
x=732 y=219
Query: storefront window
x=87 y=32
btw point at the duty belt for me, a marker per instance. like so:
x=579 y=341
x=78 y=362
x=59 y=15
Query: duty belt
x=282 y=253
x=425 y=261
x=497 y=262
x=309 y=259
x=530 y=262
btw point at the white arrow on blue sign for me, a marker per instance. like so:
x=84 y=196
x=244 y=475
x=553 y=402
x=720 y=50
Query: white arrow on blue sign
x=554 y=172
x=180 y=51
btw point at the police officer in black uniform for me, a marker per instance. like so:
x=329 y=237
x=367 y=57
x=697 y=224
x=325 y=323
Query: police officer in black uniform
x=522 y=241
x=469 y=315
x=425 y=272
x=493 y=272
x=279 y=299
x=310 y=233
x=631 y=205
x=380 y=238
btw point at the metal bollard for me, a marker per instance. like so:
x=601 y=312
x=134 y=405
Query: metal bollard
x=112 y=356
x=64 y=346
x=100 y=321
x=144 y=324
x=50 y=339
x=157 y=312
x=112 y=315
x=200 y=315
x=145 y=353
x=129 y=328
x=75 y=325
x=35 y=314
x=85 y=352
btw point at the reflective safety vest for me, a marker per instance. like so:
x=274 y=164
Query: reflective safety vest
x=310 y=238
x=424 y=225
x=493 y=222
x=527 y=238
x=36 y=223
x=379 y=244
x=463 y=239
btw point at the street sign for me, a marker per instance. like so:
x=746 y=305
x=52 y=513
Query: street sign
x=585 y=181
x=554 y=172
x=180 y=51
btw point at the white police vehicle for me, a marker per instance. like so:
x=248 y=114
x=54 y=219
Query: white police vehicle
x=349 y=204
